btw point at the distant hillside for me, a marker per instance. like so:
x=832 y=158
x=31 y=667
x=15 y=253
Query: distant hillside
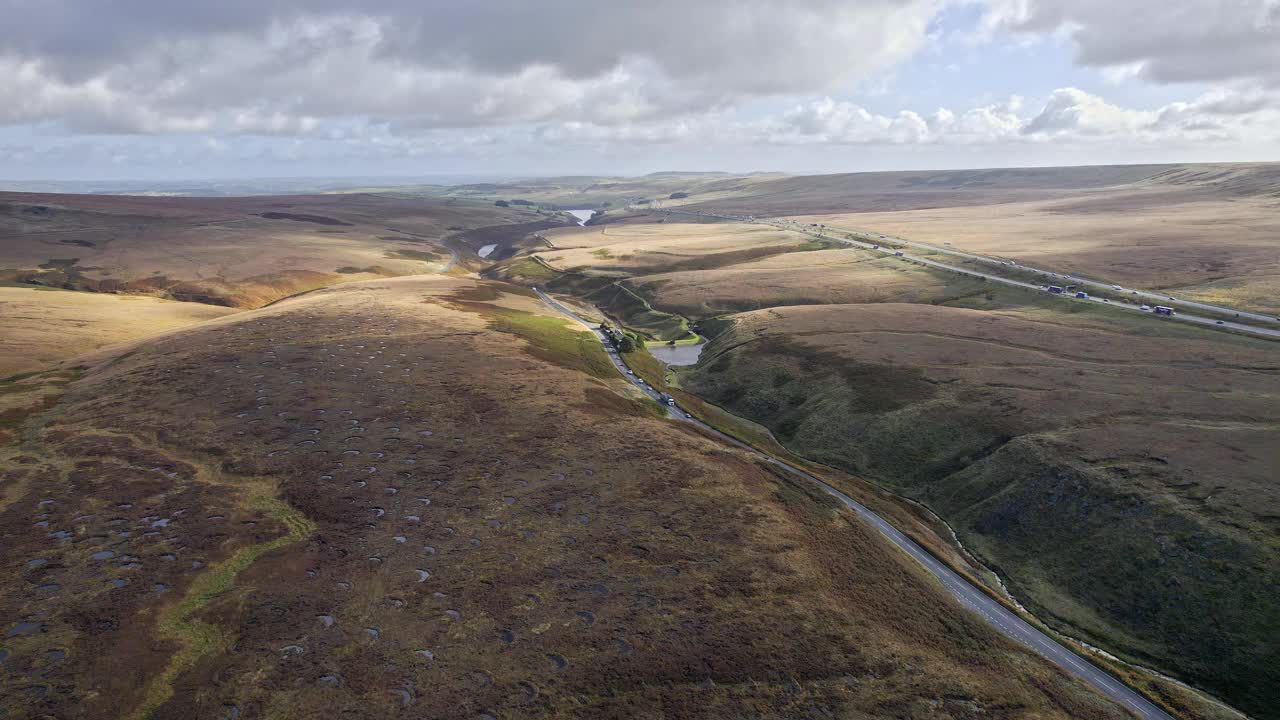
x=1262 y=179
x=237 y=252
x=616 y=192
x=914 y=190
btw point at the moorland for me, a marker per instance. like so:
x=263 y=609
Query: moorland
x=291 y=456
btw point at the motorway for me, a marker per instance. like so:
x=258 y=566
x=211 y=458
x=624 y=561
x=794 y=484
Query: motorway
x=1159 y=299
x=996 y=614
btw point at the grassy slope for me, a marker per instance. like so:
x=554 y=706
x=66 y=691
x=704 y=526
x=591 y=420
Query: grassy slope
x=1074 y=538
x=40 y=326
x=716 y=588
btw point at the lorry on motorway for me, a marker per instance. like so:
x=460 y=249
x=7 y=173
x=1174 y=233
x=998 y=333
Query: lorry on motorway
x=1054 y=289
x=1163 y=310
x=1082 y=295
x=668 y=400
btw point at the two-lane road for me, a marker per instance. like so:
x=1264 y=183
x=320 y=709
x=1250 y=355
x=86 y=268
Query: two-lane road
x=996 y=614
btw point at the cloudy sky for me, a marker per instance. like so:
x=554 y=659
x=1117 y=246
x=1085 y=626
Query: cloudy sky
x=157 y=89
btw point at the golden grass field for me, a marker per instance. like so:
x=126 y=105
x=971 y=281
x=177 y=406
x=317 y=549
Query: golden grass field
x=800 y=278
x=636 y=249
x=427 y=496
x=40 y=326
x=1210 y=249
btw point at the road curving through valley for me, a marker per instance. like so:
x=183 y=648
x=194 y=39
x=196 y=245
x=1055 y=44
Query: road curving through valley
x=993 y=612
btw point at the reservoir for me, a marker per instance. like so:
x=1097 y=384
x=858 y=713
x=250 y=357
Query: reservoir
x=582 y=215
x=678 y=355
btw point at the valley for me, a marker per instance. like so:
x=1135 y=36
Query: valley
x=421 y=487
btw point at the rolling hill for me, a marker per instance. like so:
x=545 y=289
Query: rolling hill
x=426 y=496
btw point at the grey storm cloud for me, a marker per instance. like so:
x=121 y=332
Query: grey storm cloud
x=283 y=65
x=1166 y=41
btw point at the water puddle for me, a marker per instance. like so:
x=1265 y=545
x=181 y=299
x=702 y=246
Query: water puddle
x=487 y=250
x=23 y=628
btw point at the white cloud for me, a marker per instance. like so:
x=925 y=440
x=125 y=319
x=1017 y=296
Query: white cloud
x=267 y=66
x=1166 y=41
x=1069 y=115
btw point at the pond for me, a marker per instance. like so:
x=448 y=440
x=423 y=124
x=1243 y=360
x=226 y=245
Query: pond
x=678 y=355
x=582 y=215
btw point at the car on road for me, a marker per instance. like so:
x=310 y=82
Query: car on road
x=1116 y=287
x=1219 y=322
x=1145 y=308
x=688 y=415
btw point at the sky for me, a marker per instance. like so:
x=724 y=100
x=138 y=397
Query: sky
x=163 y=90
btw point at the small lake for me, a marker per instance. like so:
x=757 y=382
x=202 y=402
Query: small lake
x=582 y=215
x=678 y=355
x=487 y=250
